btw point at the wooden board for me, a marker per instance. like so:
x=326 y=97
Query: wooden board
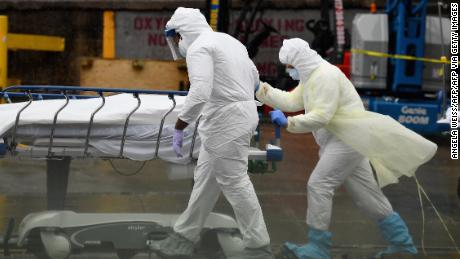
x=116 y=73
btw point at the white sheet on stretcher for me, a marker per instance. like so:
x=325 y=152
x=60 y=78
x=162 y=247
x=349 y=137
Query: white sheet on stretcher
x=140 y=144
x=114 y=112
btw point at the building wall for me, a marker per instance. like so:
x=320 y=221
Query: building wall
x=80 y=23
x=141 y=5
x=82 y=30
x=82 y=33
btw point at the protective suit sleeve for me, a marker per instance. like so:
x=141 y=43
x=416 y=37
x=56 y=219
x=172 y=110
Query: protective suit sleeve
x=201 y=75
x=278 y=99
x=323 y=95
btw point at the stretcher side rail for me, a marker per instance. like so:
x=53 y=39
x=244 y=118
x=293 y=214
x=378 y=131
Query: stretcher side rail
x=31 y=93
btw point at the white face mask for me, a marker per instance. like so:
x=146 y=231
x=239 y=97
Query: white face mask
x=182 y=48
x=293 y=73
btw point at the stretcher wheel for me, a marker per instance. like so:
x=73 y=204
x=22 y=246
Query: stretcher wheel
x=56 y=245
x=257 y=167
x=126 y=253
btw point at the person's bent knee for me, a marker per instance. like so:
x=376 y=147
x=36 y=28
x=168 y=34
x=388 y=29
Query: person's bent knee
x=319 y=188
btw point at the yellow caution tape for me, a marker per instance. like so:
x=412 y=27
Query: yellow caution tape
x=441 y=60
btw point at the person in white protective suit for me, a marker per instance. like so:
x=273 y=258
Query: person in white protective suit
x=222 y=84
x=350 y=139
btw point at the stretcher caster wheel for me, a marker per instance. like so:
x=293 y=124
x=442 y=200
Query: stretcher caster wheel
x=126 y=253
x=56 y=245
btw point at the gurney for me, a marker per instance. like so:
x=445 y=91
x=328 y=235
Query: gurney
x=88 y=123
x=78 y=128
x=82 y=126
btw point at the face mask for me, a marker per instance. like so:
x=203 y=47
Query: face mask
x=293 y=73
x=182 y=48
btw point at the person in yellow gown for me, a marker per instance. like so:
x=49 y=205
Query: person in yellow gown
x=351 y=139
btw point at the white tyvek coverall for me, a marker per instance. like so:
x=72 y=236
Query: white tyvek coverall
x=334 y=113
x=222 y=80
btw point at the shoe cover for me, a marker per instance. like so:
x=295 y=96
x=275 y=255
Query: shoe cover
x=318 y=247
x=172 y=246
x=395 y=231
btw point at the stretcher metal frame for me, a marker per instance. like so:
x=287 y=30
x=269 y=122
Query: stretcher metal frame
x=49 y=224
x=58 y=158
x=65 y=92
x=58 y=152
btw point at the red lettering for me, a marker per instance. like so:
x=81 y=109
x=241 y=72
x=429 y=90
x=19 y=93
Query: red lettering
x=295 y=25
x=274 y=41
x=152 y=39
x=300 y=25
x=138 y=23
x=148 y=23
x=256 y=25
x=156 y=39
x=289 y=25
x=159 y=23
x=143 y=23
x=259 y=23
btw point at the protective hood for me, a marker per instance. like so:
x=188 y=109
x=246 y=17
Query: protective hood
x=189 y=23
x=297 y=52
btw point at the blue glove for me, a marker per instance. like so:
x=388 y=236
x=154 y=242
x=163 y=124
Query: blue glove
x=257 y=87
x=278 y=118
x=178 y=139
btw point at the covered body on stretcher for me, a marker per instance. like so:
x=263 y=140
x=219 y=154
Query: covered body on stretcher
x=71 y=128
x=52 y=128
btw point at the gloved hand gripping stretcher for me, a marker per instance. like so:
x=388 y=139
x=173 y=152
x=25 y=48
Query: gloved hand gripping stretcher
x=134 y=124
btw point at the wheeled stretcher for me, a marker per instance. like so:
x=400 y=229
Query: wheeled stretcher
x=81 y=123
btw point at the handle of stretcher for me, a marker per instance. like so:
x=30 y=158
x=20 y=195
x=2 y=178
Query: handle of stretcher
x=272 y=152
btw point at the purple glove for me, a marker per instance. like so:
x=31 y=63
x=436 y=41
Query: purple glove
x=278 y=118
x=178 y=138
